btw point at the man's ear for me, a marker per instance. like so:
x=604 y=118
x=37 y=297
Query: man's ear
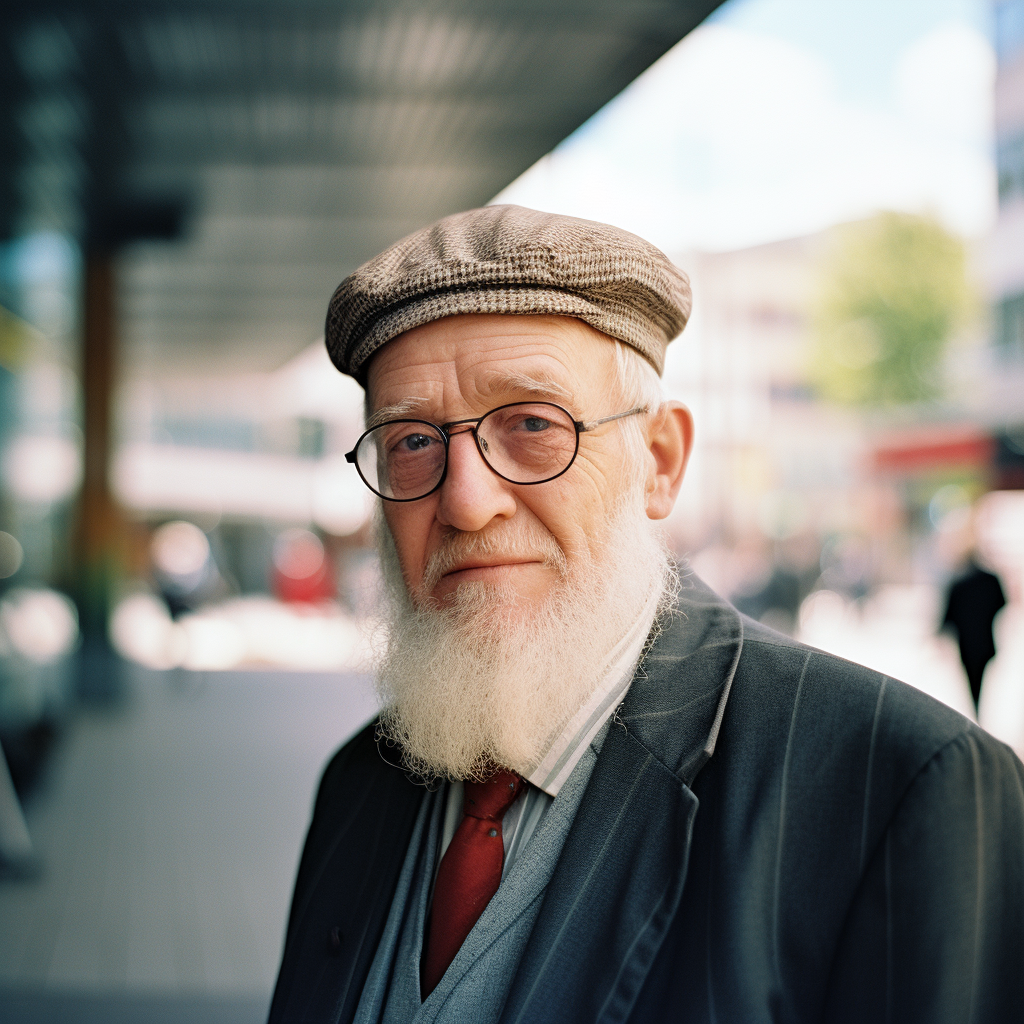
x=670 y=441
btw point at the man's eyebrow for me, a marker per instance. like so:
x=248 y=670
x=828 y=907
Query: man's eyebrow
x=512 y=380
x=394 y=412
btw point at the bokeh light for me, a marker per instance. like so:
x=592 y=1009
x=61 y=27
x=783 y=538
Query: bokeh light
x=11 y=555
x=39 y=624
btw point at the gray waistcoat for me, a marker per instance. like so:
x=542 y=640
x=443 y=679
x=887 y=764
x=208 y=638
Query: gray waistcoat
x=476 y=984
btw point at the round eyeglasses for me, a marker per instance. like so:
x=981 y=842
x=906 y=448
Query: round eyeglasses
x=524 y=443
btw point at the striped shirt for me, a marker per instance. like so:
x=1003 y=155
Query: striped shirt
x=562 y=756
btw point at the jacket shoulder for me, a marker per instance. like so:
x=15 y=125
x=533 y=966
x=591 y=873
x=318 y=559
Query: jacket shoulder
x=812 y=681
x=836 y=734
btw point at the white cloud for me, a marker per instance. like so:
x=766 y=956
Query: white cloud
x=945 y=83
x=735 y=138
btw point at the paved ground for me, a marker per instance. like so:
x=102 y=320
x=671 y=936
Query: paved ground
x=170 y=831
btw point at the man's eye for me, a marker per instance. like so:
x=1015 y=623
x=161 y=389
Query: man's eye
x=415 y=442
x=535 y=423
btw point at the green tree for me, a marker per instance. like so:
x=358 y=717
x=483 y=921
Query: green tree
x=893 y=291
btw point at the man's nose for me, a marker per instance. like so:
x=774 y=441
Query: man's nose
x=472 y=493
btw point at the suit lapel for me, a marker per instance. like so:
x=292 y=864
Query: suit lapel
x=616 y=886
x=621 y=874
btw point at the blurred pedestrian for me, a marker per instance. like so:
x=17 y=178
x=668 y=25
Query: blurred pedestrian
x=17 y=856
x=972 y=601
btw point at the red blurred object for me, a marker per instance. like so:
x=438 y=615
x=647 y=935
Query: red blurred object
x=302 y=571
x=954 y=445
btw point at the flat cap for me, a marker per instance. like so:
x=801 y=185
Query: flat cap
x=508 y=259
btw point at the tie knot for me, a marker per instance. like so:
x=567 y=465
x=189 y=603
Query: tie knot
x=491 y=799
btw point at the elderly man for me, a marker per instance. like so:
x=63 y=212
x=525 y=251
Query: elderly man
x=595 y=791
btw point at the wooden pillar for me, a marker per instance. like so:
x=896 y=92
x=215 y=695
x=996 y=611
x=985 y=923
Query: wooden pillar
x=99 y=520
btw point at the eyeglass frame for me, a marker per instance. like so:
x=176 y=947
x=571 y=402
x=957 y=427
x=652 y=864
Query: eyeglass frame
x=444 y=429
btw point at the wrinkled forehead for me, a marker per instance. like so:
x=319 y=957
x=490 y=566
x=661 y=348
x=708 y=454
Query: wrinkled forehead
x=474 y=360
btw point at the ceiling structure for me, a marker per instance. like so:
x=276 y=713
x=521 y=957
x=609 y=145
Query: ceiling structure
x=243 y=157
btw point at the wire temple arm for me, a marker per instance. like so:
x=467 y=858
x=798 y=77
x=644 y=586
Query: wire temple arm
x=584 y=427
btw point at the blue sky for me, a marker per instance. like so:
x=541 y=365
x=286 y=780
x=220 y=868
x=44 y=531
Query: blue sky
x=845 y=33
x=779 y=117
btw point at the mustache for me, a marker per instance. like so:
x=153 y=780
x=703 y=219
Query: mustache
x=512 y=542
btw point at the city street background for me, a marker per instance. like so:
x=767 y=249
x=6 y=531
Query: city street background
x=189 y=591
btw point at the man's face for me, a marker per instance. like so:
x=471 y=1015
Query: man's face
x=464 y=366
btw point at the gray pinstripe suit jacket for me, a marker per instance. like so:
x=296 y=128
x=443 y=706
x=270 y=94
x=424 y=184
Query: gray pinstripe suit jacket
x=775 y=835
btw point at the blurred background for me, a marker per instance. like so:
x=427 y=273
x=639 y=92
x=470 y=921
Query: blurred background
x=187 y=583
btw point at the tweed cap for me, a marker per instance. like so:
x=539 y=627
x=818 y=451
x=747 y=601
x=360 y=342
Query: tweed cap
x=508 y=259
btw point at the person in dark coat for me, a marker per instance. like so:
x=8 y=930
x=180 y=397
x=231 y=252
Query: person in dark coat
x=972 y=601
x=596 y=792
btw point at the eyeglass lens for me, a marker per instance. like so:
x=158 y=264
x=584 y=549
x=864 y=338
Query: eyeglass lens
x=528 y=442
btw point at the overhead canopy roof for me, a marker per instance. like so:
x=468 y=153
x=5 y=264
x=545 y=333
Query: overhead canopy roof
x=297 y=137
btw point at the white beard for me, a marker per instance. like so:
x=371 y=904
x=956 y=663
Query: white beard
x=483 y=681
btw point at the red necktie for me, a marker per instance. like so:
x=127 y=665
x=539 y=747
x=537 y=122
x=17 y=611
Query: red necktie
x=469 y=873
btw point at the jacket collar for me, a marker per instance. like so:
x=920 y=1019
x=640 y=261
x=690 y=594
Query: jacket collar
x=677 y=700
x=621 y=875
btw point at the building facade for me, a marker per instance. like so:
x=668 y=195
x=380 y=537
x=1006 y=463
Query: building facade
x=1007 y=256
